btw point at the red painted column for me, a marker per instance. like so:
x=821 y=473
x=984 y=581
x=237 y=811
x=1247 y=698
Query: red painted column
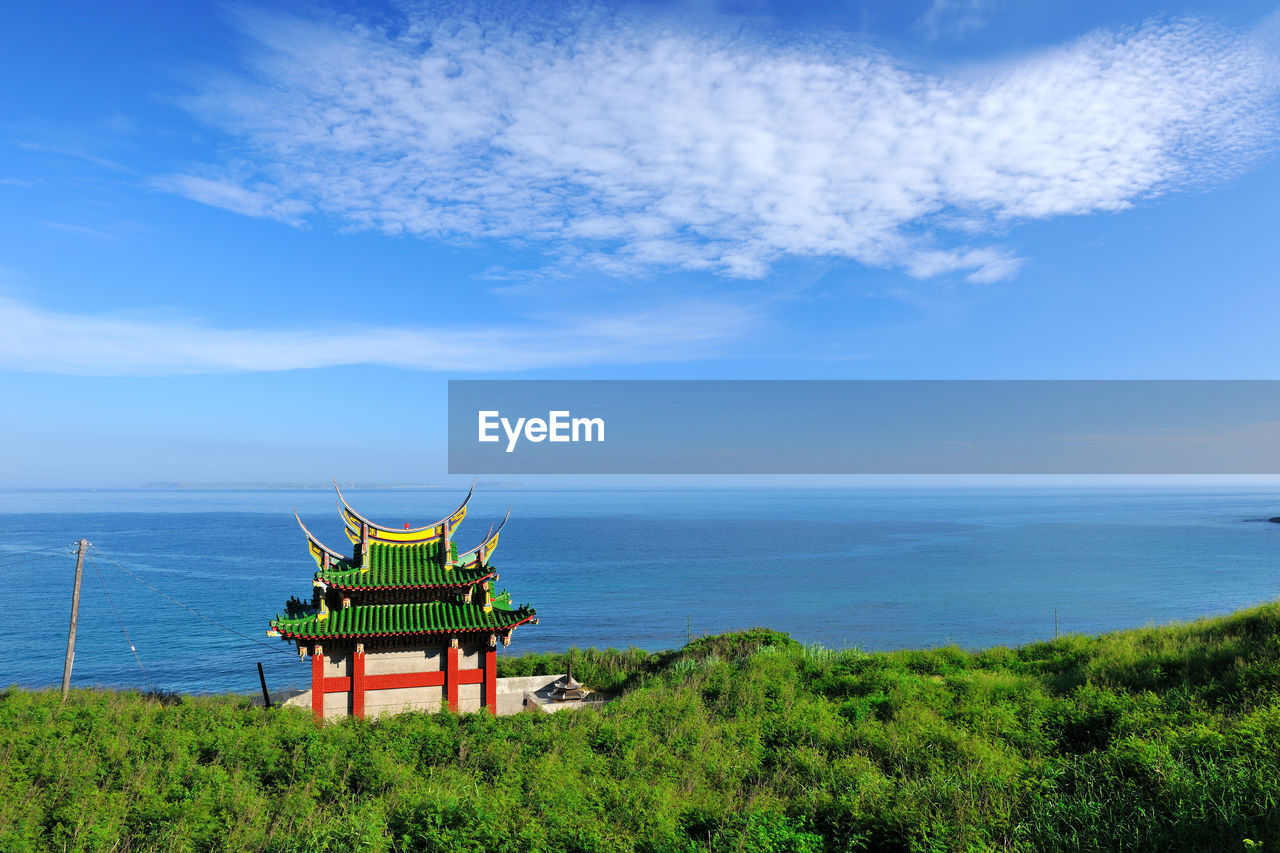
x=317 y=683
x=357 y=682
x=490 y=697
x=451 y=677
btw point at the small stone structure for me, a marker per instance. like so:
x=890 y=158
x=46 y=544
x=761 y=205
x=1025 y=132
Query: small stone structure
x=562 y=693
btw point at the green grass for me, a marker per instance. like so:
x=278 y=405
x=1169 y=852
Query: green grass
x=1163 y=738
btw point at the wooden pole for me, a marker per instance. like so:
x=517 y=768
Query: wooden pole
x=75 y=612
x=262 y=679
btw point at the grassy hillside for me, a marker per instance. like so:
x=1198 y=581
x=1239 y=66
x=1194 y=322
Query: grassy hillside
x=1166 y=738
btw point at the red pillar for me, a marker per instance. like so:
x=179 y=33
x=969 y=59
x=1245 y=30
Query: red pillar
x=357 y=682
x=451 y=677
x=317 y=683
x=490 y=698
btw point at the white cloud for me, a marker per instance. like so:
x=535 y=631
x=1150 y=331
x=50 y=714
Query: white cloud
x=44 y=341
x=233 y=197
x=627 y=146
x=954 y=18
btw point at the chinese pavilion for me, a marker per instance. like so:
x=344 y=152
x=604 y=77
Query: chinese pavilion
x=406 y=622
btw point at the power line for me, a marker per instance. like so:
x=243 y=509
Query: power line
x=189 y=609
x=50 y=549
x=68 y=550
x=127 y=638
x=32 y=559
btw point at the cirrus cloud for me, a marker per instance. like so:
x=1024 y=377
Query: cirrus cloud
x=39 y=340
x=628 y=146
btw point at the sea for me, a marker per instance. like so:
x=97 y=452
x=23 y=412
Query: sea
x=180 y=585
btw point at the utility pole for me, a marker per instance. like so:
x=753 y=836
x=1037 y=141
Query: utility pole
x=262 y=679
x=81 y=547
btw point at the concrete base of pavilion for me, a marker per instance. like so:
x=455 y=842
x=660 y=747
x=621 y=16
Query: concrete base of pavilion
x=514 y=695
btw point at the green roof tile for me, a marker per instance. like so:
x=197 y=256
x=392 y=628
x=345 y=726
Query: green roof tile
x=382 y=619
x=400 y=566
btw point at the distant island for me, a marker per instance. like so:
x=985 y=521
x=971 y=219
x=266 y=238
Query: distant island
x=301 y=487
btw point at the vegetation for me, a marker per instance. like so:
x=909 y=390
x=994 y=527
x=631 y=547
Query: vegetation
x=1164 y=738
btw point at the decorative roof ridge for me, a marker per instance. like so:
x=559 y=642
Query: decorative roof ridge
x=404 y=619
x=482 y=551
x=316 y=544
x=427 y=532
x=437 y=604
x=462 y=573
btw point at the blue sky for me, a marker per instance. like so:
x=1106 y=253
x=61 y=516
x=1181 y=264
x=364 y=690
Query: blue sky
x=253 y=241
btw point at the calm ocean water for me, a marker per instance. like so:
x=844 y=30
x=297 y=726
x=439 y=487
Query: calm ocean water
x=876 y=568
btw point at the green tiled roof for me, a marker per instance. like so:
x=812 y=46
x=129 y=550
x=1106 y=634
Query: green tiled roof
x=383 y=619
x=381 y=553
x=400 y=566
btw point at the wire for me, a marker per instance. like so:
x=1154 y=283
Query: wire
x=69 y=550
x=191 y=610
x=31 y=559
x=127 y=638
